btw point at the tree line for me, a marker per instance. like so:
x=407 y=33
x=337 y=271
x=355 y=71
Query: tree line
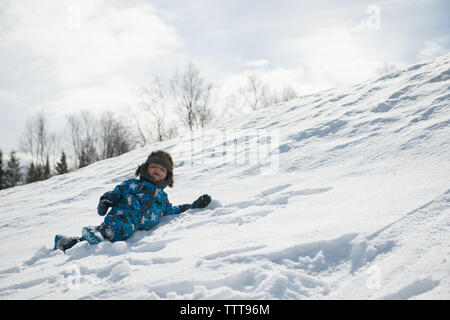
x=88 y=138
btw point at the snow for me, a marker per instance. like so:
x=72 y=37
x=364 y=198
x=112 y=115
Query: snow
x=343 y=194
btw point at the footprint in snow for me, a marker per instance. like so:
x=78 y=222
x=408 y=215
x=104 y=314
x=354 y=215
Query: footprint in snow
x=153 y=246
x=274 y=190
x=307 y=192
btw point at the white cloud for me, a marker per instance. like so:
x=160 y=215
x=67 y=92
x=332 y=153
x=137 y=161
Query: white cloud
x=255 y=63
x=66 y=55
x=432 y=48
x=106 y=39
x=333 y=57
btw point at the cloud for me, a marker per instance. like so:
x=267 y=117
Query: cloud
x=255 y=63
x=333 y=57
x=433 y=48
x=84 y=44
x=92 y=37
x=66 y=55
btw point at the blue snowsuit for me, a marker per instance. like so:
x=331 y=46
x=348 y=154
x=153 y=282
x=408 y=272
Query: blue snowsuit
x=137 y=205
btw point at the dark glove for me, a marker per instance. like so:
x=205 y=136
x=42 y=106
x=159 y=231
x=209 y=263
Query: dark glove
x=202 y=201
x=103 y=206
x=108 y=199
x=184 y=207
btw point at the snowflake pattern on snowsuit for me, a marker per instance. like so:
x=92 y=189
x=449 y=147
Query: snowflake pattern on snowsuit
x=137 y=205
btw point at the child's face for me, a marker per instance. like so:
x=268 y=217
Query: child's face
x=158 y=172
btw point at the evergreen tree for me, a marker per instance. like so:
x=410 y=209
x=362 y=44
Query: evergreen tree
x=46 y=171
x=83 y=159
x=13 y=174
x=38 y=172
x=2 y=172
x=61 y=166
x=31 y=175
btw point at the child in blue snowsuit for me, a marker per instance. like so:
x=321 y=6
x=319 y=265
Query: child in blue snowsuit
x=136 y=204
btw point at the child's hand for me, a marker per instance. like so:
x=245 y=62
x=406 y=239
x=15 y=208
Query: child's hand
x=103 y=206
x=202 y=201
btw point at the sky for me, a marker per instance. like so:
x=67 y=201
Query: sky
x=61 y=56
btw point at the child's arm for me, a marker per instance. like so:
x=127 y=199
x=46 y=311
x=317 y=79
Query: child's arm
x=201 y=202
x=114 y=196
x=110 y=198
x=170 y=209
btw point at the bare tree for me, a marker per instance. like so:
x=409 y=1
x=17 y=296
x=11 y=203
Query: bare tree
x=114 y=138
x=204 y=112
x=385 y=69
x=31 y=139
x=255 y=92
x=154 y=103
x=138 y=126
x=38 y=141
x=193 y=97
x=106 y=132
x=73 y=134
x=82 y=130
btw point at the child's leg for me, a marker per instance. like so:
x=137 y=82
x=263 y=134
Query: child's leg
x=64 y=243
x=92 y=235
x=118 y=225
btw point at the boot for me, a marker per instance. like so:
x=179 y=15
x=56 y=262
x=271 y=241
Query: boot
x=64 y=243
x=92 y=235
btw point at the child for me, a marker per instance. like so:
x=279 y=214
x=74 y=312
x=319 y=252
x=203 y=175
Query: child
x=135 y=204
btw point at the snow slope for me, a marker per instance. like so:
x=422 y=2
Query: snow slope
x=356 y=206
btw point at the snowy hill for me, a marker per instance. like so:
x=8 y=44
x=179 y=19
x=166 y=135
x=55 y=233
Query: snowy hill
x=343 y=194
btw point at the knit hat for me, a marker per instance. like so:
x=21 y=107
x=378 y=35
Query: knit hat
x=162 y=158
